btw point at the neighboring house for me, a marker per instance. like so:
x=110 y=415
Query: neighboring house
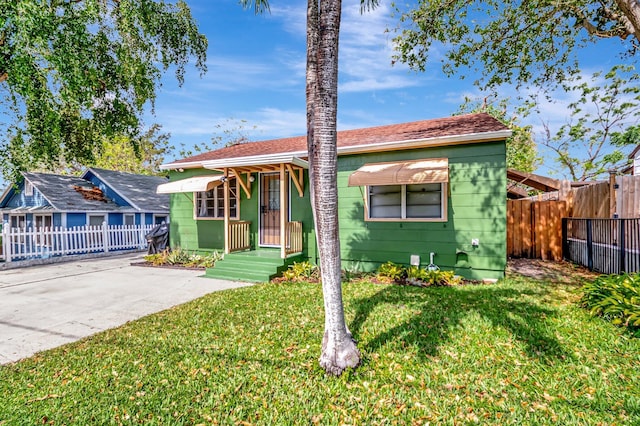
x=405 y=191
x=634 y=167
x=117 y=198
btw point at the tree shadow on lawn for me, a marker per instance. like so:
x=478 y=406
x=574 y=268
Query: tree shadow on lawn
x=437 y=311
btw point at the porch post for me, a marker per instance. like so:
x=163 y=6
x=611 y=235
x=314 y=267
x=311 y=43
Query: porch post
x=284 y=209
x=226 y=212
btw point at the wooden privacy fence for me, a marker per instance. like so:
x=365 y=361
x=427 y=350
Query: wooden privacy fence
x=534 y=228
x=29 y=243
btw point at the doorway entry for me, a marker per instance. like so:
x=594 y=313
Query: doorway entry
x=270 y=209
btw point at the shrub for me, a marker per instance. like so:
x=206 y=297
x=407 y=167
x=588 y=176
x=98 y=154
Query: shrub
x=301 y=271
x=614 y=297
x=157 y=259
x=392 y=270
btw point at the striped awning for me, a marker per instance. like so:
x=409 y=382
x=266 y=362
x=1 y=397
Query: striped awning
x=432 y=170
x=192 y=184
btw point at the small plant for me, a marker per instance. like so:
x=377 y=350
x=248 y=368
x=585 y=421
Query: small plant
x=416 y=273
x=614 y=297
x=182 y=257
x=442 y=278
x=392 y=270
x=300 y=271
x=178 y=256
x=352 y=272
x=157 y=259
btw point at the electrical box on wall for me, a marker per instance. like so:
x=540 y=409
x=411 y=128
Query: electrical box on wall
x=415 y=260
x=475 y=242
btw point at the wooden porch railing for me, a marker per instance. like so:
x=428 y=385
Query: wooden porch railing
x=294 y=238
x=239 y=235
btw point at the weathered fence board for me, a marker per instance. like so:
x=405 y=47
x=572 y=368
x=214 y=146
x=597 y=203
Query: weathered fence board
x=592 y=201
x=628 y=196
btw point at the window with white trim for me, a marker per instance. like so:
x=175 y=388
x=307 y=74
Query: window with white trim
x=18 y=221
x=210 y=204
x=43 y=221
x=424 y=201
x=129 y=219
x=96 y=220
x=28 y=188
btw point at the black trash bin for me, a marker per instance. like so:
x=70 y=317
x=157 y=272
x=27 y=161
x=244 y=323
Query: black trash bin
x=158 y=238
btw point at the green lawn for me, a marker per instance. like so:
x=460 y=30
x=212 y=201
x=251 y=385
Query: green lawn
x=516 y=352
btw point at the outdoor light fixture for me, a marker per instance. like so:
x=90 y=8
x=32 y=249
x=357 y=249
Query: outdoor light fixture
x=252 y=179
x=223 y=179
x=181 y=170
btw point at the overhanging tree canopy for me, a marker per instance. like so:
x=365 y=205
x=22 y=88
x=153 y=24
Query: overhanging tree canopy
x=74 y=71
x=514 y=40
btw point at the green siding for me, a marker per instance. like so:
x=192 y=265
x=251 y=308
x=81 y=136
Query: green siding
x=187 y=233
x=476 y=209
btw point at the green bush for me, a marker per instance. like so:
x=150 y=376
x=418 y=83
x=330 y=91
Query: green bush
x=392 y=270
x=301 y=271
x=414 y=275
x=614 y=297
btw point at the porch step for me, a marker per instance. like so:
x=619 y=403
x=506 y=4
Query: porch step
x=251 y=266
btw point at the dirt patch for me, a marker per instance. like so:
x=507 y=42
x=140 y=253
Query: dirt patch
x=563 y=272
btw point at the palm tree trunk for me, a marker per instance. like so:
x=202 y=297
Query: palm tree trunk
x=339 y=350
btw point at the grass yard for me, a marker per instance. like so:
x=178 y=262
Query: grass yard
x=516 y=352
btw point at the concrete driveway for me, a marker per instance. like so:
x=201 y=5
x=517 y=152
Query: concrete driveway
x=42 y=307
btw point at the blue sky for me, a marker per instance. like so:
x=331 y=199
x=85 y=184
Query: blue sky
x=257 y=75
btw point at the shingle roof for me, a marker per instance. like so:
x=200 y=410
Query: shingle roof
x=58 y=190
x=139 y=190
x=461 y=125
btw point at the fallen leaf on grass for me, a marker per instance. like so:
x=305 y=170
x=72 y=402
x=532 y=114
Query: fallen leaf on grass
x=42 y=398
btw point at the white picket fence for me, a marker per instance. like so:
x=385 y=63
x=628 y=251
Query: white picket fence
x=29 y=243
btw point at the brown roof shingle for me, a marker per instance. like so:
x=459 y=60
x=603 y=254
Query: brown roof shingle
x=460 y=125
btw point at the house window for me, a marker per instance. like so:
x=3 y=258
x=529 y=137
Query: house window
x=129 y=219
x=28 y=188
x=18 y=221
x=43 y=221
x=159 y=219
x=425 y=201
x=210 y=204
x=96 y=220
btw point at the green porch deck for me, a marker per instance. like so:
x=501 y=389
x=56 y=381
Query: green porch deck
x=251 y=266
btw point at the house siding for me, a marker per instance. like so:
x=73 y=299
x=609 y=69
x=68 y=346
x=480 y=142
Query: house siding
x=76 y=219
x=184 y=230
x=476 y=209
x=20 y=199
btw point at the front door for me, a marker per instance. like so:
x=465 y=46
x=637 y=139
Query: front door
x=270 y=209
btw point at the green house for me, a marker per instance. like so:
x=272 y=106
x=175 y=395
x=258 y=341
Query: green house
x=411 y=193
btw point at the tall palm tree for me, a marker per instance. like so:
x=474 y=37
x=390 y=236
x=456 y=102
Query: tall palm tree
x=339 y=350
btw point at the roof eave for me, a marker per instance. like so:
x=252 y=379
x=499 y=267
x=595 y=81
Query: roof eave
x=347 y=150
x=259 y=160
x=427 y=143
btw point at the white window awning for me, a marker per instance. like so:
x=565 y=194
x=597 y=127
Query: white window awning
x=433 y=170
x=192 y=184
